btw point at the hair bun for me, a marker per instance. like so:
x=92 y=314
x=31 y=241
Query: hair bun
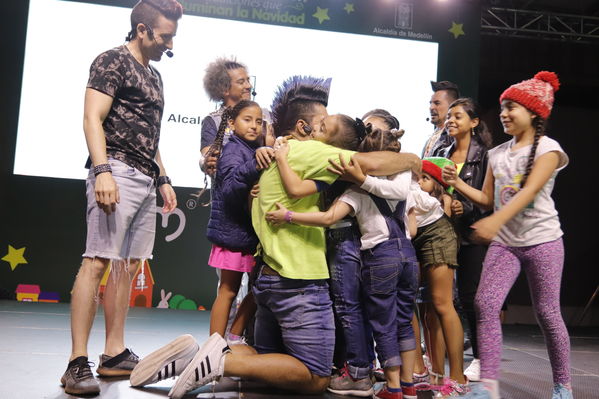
x=549 y=77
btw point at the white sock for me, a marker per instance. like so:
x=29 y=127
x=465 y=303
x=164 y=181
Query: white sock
x=492 y=386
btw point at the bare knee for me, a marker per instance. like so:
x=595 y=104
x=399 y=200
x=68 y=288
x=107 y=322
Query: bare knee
x=227 y=293
x=442 y=304
x=95 y=267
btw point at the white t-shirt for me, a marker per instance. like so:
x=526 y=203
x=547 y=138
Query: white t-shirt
x=427 y=208
x=538 y=222
x=373 y=226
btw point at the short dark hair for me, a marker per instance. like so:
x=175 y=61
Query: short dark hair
x=451 y=88
x=147 y=12
x=217 y=80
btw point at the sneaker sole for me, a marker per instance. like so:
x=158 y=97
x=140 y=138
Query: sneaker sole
x=110 y=372
x=78 y=391
x=149 y=366
x=178 y=390
x=351 y=392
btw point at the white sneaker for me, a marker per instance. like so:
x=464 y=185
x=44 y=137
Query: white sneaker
x=168 y=361
x=206 y=366
x=473 y=370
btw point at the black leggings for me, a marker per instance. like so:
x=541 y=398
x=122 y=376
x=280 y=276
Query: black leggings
x=470 y=260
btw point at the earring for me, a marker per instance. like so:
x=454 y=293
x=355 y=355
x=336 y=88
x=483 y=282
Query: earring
x=472 y=131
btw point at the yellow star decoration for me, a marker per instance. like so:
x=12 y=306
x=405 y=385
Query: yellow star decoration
x=349 y=7
x=15 y=257
x=457 y=30
x=322 y=14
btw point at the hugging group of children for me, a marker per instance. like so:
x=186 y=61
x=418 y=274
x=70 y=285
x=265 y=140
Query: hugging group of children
x=389 y=227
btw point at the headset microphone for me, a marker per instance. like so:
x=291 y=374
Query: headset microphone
x=428 y=119
x=254 y=93
x=168 y=52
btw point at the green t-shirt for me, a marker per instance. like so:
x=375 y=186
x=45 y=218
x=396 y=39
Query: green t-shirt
x=294 y=251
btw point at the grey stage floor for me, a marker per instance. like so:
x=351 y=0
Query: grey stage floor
x=35 y=343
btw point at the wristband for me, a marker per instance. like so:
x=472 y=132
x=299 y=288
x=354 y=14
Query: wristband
x=288 y=215
x=163 y=180
x=102 y=168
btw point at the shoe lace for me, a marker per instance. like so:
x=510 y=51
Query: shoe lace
x=83 y=370
x=344 y=372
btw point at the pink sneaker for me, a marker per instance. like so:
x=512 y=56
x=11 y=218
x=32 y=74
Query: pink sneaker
x=451 y=389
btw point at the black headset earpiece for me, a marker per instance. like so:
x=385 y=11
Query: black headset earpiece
x=307 y=128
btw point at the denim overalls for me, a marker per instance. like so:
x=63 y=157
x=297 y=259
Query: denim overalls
x=389 y=284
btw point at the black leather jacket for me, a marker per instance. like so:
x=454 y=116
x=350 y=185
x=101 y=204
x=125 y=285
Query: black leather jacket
x=472 y=173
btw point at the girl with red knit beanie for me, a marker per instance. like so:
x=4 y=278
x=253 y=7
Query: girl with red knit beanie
x=524 y=229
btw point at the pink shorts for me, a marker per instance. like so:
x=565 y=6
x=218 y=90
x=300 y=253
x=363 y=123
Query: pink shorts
x=222 y=258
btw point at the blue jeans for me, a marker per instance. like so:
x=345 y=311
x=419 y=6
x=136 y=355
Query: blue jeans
x=295 y=317
x=343 y=257
x=389 y=283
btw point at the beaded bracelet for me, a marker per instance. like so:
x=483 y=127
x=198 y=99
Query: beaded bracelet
x=288 y=216
x=102 y=168
x=163 y=180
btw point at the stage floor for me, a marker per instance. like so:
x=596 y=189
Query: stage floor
x=36 y=342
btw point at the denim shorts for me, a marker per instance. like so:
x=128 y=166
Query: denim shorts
x=127 y=233
x=295 y=317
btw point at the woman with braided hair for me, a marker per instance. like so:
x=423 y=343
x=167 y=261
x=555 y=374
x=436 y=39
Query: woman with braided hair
x=524 y=229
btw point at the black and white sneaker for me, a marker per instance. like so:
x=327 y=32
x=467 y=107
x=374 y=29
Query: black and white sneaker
x=166 y=362
x=119 y=365
x=206 y=366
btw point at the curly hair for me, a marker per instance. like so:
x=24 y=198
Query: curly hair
x=217 y=80
x=148 y=11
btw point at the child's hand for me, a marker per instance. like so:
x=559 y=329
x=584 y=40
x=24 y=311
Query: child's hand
x=457 y=208
x=281 y=149
x=485 y=230
x=255 y=191
x=210 y=163
x=450 y=174
x=264 y=156
x=278 y=141
x=351 y=171
x=277 y=217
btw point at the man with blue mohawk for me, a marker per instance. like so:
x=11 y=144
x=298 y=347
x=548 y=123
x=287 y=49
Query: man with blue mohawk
x=295 y=329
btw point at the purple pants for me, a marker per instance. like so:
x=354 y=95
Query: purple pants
x=543 y=264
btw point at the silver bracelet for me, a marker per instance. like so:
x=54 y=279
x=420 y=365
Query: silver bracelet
x=102 y=168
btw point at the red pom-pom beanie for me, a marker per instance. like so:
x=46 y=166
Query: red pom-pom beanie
x=534 y=94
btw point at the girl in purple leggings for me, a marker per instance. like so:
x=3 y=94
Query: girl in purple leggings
x=524 y=229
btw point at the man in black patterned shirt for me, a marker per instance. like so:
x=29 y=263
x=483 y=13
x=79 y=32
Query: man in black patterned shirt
x=123 y=109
